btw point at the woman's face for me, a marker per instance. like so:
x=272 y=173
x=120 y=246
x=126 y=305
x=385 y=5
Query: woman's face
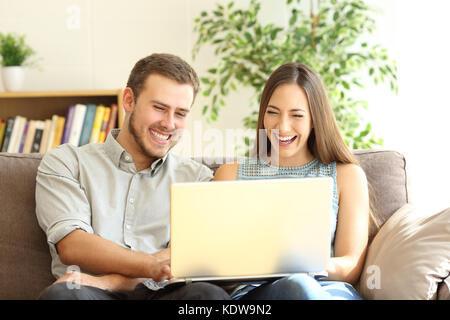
x=288 y=123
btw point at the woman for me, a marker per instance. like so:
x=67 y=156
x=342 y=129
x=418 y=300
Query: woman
x=298 y=137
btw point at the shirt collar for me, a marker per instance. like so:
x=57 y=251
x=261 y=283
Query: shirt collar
x=157 y=165
x=117 y=154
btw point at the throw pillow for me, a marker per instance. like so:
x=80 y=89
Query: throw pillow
x=409 y=257
x=444 y=290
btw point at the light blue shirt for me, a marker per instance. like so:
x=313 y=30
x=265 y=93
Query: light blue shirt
x=96 y=188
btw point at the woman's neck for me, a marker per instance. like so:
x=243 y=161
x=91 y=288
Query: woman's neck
x=295 y=161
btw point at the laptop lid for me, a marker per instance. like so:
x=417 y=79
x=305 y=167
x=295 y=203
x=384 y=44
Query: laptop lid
x=246 y=229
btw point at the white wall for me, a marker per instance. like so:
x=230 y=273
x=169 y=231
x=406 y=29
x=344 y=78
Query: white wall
x=416 y=121
x=99 y=52
x=112 y=35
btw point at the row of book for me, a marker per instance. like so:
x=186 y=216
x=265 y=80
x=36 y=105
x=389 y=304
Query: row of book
x=82 y=124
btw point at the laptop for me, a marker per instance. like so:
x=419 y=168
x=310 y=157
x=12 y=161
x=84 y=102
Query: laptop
x=244 y=231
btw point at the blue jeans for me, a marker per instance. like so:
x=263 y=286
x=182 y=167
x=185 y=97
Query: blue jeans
x=298 y=287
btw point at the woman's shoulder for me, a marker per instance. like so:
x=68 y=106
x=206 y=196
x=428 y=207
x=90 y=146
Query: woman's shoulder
x=227 y=171
x=350 y=174
x=349 y=169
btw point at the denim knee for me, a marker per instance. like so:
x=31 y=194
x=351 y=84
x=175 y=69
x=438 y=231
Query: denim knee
x=58 y=291
x=298 y=287
x=61 y=291
x=204 y=291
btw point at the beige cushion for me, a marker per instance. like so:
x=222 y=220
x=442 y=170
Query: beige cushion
x=409 y=257
x=444 y=290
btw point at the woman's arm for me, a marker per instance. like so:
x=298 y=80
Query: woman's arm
x=228 y=171
x=352 y=226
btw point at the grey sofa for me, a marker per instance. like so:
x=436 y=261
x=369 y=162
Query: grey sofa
x=25 y=259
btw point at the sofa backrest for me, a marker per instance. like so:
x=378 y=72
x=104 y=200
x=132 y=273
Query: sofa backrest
x=25 y=257
x=25 y=264
x=387 y=175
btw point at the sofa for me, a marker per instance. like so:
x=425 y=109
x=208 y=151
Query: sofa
x=25 y=258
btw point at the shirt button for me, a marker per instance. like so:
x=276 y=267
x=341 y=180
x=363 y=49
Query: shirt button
x=128 y=227
x=127 y=158
x=131 y=200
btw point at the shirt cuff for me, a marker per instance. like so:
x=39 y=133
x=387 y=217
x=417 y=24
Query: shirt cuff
x=61 y=229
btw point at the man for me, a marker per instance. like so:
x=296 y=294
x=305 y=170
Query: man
x=105 y=207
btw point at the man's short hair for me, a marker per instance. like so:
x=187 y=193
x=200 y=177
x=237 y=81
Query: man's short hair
x=165 y=64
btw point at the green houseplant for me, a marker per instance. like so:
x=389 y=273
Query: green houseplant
x=328 y=38
x=15 y=54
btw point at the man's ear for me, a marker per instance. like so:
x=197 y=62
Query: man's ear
x=128 y=99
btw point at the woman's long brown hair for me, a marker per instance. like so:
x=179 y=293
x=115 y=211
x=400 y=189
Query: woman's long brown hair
x=325 y=141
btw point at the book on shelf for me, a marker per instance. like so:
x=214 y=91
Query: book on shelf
x=16 y=134
x=60 y=121
x=68 y=124
x=112 y=119
x=30 y=136
x=87 y=124
x=11 y=132
x=2 y=131
x=97 y=123
x=7 y=135
x=77 y=124
x=24 y=135
x=37 y=137
x=45 y=136
x=106 y=115
x=81 y=124
x=51 y=134
x=20 y=133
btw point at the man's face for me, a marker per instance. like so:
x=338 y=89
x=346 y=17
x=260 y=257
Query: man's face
x=159 y=115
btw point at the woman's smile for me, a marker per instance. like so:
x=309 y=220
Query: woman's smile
x=284 y=140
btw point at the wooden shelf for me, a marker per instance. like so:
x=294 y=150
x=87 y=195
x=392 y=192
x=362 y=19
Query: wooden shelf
x=41 y=105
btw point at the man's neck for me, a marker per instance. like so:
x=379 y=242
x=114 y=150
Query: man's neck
x=141 y=161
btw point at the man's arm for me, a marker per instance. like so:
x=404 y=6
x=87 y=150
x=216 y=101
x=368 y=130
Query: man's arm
x=100 y=256
x=64 y=213
x=113 y=282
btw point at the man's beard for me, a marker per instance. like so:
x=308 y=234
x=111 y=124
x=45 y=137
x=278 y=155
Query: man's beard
x=141 y=142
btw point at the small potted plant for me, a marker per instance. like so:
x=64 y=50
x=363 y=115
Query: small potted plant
x=15 y=54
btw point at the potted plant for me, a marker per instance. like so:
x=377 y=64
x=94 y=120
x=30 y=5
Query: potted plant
x=331 y=38
x=15 y=54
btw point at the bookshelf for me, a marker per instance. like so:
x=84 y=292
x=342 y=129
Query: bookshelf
x=41 y=105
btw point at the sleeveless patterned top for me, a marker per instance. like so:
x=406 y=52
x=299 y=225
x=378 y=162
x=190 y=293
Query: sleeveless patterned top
x=255 y=168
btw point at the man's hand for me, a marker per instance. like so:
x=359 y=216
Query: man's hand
x=163 y=254
x=161 y=269
x=97 y=255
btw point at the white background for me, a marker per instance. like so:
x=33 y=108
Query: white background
x=98 y=50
